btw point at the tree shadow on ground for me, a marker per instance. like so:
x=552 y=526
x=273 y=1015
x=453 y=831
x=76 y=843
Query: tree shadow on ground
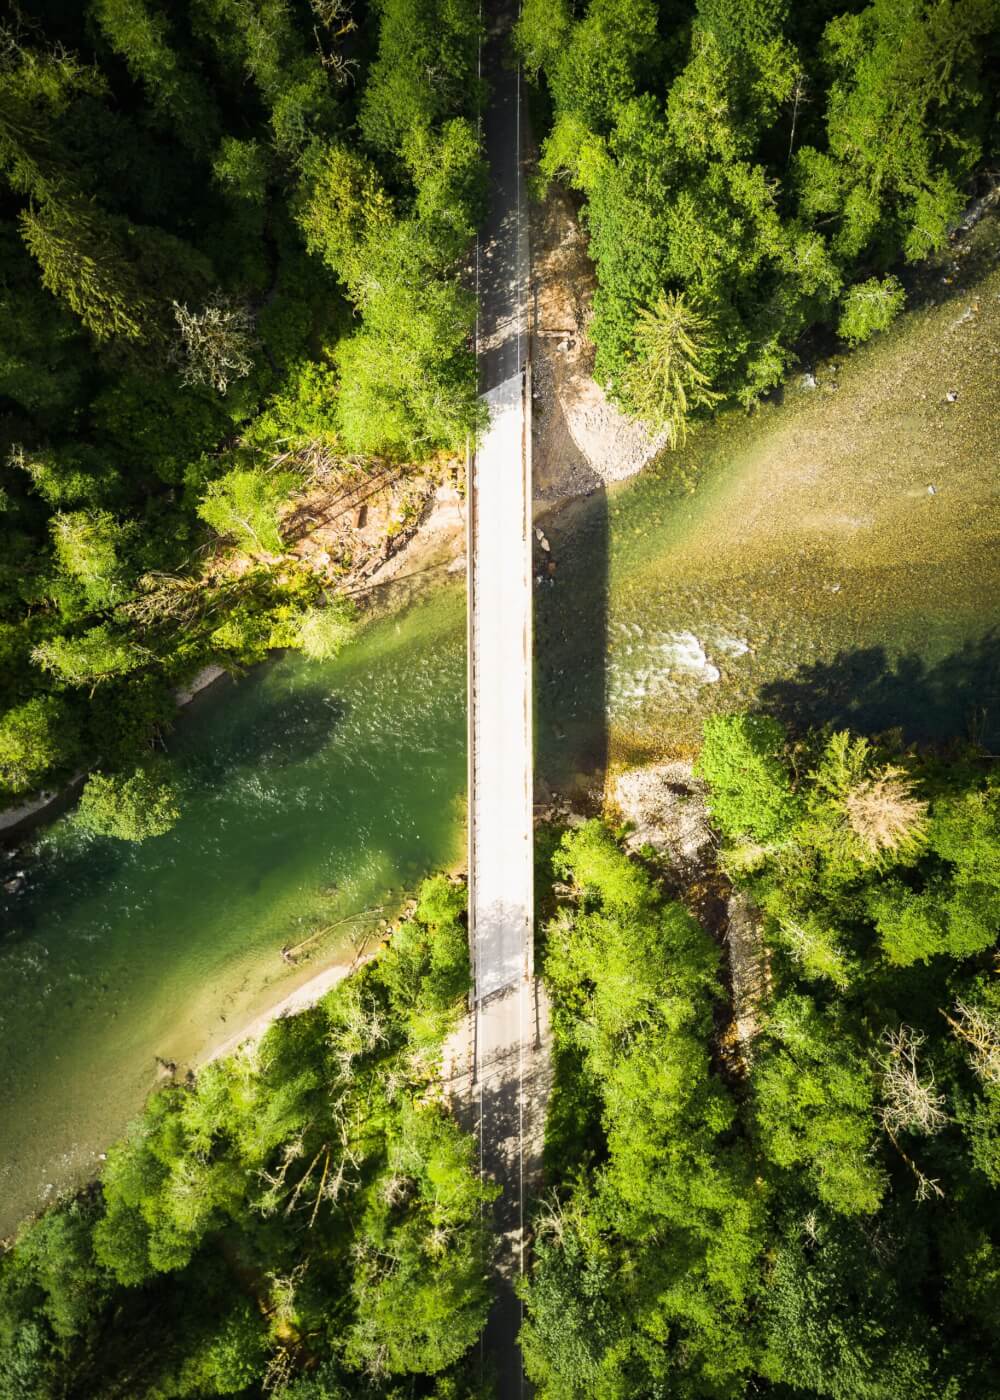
x=865 y=689
x=276 y=731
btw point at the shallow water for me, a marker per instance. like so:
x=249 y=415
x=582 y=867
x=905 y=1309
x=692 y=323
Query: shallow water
x=836 y=559
x=796 y=559
x=311 y=792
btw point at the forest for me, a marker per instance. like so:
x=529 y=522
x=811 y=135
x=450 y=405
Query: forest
x=303 y=1220
x=810 y=1210
x=791 y=1191
x=234 y=238
x=230 y=235
x=755 y=171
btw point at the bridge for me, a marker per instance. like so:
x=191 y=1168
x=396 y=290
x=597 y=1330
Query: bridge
x=507 y=1028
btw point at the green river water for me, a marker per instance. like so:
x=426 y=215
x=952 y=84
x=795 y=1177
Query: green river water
x=796 y=559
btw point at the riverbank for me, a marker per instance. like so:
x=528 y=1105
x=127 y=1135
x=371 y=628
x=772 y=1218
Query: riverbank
x=382 y=542
x=312 y=793
x=792 y=559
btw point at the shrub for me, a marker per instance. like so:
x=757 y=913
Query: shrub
x=131 y=808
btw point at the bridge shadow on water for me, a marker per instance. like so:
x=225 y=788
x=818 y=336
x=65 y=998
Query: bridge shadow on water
x=571 y=643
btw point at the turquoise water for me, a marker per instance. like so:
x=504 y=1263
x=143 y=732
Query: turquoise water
x=833 y=559
x=312 y=792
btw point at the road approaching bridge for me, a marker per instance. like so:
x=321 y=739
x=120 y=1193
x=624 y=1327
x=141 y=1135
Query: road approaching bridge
x=501 y=897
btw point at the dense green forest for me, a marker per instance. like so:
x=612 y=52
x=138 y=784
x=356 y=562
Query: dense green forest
x=303 y=1220
x=815 y=1212
x=229 y=241
x=752 y=168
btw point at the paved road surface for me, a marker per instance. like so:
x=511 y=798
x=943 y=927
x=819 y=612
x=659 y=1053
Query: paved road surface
x=507 y=1017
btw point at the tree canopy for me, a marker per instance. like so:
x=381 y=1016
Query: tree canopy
x=764 y=162
x=230 y=239
x=303 y=1219
x=809 y=1205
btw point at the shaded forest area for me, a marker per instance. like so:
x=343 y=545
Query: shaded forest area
x=811 y=1210
x=751 y=169
x=303 y=1221
x=229 y=241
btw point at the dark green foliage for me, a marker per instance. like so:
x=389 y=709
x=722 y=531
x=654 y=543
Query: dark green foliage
x=840 y=1323
x=305 y=1209
x=178 y=338
x=758 y=157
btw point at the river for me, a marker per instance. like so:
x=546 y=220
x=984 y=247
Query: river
x=835 y=557
x=311 y=792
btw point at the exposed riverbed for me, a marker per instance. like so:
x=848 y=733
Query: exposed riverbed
x=835 y=557
x=797 y=558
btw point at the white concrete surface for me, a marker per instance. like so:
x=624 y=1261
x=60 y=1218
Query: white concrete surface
x=501 y=769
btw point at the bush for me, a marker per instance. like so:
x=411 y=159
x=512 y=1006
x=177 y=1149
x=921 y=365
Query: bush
x=870 y=307
x=322 y=633
x=131 y=808
x=743 y=761
x=36 y=738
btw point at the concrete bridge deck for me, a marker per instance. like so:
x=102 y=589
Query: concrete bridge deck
x=501 y=768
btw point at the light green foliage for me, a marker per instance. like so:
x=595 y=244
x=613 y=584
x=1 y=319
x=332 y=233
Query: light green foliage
x=323 y=632
x=419 y=1288
x=813 y=943
x=300 y=415
x=668 y=380
x=428 y=974
x=813 y=1102
x=346 y=215
x=87 y=545
x=89 y=659
x=244 y=505
x=955 y=908
x=307 y=1187
x=35 y=738
x=901 y=121
x=129 y=807
x=407 y=376
x=860 y=811
x=423 y=70
x=823 y=1222
x=743 y=760
x=870 y=307
x=542 y=29
x=71 y=477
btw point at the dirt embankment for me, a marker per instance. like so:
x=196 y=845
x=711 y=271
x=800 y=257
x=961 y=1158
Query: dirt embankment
x=580 y=440
x=380 y=536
